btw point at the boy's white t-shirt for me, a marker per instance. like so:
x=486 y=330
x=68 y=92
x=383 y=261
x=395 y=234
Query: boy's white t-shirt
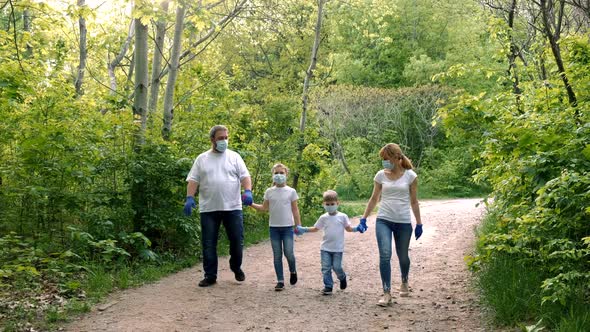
x=395 y=197
x=333 y=227
x=279 y=205
x=219 y=176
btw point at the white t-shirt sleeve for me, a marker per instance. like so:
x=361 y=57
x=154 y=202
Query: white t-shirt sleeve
x=193 y=175
x=320 y=223
x=242 y=169
x=294 y=195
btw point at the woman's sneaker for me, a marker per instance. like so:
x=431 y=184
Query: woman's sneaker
x=293 y=279
x=280 y=286
x=343 y=283
x=404 y=290
x=385 y=300
x=327 y=291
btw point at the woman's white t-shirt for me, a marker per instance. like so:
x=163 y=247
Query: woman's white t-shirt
x=395 y=197
x=279 y=205
x=333 y=227
x=219 y=176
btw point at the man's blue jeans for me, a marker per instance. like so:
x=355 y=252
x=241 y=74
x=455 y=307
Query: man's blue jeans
x=331 y=261
x=234 y=228
x=402 y=233
x=281 y=239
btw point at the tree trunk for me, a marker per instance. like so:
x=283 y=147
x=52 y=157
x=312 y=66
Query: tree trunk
x=113 y=64
x=83 y=50
x=512 y=70
x=553 y=32
x=173 y=73
x=27 y=22
x=141 y=81
x=157 y=60
x=306 y=82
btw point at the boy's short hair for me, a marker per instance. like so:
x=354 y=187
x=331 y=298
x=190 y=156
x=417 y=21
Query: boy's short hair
x=330 y=196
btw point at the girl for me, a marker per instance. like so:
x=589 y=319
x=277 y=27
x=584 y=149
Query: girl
x=281 y=202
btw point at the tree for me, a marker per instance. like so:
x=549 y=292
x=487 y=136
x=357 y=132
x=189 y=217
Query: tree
x=83 y=50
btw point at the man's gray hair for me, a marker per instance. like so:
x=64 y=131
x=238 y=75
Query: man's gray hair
x=215 y=129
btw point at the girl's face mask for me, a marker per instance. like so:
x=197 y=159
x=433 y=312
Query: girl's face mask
x=279 y=178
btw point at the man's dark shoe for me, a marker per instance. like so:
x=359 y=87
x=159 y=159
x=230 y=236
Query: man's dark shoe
x=293 y=279
x=343 y=284
x=280 y=286
x=207 y=282
x=327 y=291
x=240 y=276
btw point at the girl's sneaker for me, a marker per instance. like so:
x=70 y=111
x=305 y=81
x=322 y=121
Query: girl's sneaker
x=327 y=291
x=404 y=290
x=293 y=279
x=385 y=300
x=280 y=286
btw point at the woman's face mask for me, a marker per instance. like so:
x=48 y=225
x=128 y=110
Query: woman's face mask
x=331 y=208
x=279 y=178
x=221 y=145
x=387 y=164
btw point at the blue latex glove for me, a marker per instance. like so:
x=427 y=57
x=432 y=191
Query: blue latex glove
x=363 y=224
x=359 y=228
x=247 y=197
x=301 y=230
x=418 y=231
x=189 y=205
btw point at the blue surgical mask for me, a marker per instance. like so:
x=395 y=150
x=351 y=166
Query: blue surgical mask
x=279 y=178
x=221 y=146
x=387 y=164
x=331 y=208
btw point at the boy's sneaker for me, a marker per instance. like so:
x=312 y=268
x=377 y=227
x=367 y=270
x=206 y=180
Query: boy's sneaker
x=343 y=283
x=240 y=276
x=207 y=282
x=280 y=286
x=327 y=291
x=404 y=290
x=293 y=279
x=385 y=300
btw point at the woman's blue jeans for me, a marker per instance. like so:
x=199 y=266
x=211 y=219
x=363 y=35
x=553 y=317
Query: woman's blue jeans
x=281 y=239
x=234 y=228
x=331 y=261
x=402 y=233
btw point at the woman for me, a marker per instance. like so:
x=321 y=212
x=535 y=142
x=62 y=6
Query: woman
x=397 y=186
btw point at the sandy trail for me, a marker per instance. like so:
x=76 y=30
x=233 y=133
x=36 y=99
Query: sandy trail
x=441 y=298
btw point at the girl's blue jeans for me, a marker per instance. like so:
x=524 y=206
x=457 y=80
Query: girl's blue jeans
x=402 y=233
x=331 y=261
x=281 y=239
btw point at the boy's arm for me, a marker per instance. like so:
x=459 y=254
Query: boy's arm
x=261 y=207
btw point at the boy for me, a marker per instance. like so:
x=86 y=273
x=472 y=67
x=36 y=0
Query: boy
x=333 y=223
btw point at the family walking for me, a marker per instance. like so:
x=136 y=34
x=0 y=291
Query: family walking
x=219 y=175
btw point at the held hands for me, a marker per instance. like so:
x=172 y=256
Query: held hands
x=300 y=230
x=247 y=197
x=189 y=205
x=418 y=231
x=359 y=228
x=363 y=225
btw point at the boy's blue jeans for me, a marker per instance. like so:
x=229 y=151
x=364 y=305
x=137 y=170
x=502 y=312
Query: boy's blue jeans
x=234 y=228
x=281 y=239
x=331 y=261
x=402 y=233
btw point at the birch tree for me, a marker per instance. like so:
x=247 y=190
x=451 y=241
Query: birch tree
x=83 y=50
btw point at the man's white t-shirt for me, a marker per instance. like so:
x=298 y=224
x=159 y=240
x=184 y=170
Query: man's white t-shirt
x=219 y=176
x=333 y=227
x=395 y=197
x=279 y=205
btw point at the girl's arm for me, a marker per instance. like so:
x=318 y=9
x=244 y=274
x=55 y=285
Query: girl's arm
x=377 y=187
x=261 y=207
x=296 y=215
x=414 y=201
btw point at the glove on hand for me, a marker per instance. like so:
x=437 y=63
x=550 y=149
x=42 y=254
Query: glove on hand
x=418 y=231
x=363 y=224
x=359 y=228
x=301 y=230
x=247 y=197
x=189 y=205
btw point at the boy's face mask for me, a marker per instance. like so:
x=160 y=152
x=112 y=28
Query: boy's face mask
x=331 y=208
x=279 y=178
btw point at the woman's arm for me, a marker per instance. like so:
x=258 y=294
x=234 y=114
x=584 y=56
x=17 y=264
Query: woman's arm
x=377 y=187
x=295 y=211
x=414 y=201
x=261 y=207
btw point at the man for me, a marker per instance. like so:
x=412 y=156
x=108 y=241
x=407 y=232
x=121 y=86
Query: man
x=218 y=174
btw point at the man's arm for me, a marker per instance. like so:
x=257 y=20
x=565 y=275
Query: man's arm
x=191 y=188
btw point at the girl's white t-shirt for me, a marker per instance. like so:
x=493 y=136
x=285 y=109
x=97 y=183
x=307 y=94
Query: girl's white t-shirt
x=333 y=227
x=279 y=205
x=395 y=197
x=219 y=176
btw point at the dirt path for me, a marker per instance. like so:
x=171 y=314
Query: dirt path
x=440 y=300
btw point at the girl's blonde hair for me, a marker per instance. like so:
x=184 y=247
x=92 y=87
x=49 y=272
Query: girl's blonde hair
x=279 y=165
x=392 y=151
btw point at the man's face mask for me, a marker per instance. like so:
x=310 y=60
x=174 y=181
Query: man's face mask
x=221 y=146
